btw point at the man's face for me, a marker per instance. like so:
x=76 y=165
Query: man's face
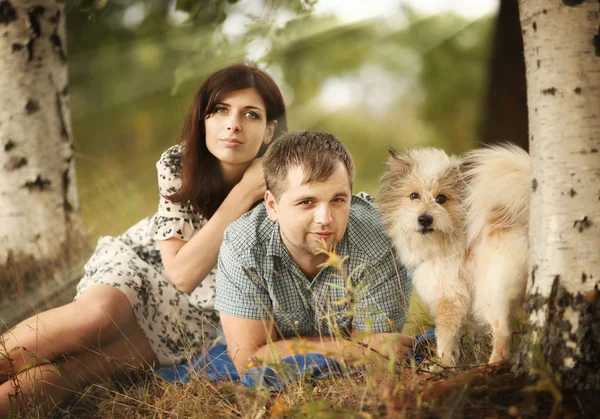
x=311 y=213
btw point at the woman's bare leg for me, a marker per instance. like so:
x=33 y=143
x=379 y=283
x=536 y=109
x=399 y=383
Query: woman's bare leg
x=43 y=388
x=101 y=315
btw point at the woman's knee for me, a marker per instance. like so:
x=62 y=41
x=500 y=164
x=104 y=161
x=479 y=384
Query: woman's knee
x=105 y=311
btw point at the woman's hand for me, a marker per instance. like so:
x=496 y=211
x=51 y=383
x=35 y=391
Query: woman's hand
x=253 y=182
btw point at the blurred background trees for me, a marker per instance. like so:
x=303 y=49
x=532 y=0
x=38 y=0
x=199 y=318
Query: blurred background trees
x=405 y=79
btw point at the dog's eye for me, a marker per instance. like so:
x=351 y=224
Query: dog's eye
x=414 y=196
x=441 y=199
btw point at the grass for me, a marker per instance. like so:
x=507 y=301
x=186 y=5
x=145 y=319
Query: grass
x=381 y=389
x=472 y=390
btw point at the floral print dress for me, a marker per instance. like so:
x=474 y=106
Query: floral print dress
x=176 y=324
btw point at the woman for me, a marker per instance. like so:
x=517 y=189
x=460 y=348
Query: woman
x=147 y=297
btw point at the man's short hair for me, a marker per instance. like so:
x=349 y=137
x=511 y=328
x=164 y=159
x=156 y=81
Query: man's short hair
x=317 y=153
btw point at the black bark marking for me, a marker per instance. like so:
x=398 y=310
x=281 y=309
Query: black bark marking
x=594 y=150
x=550 y=91
x=534 y=184
x=65 y=91
x=65 y=185
x=33 y=15
x=577 y=90
x=539 y=63
x=9 y=146
x=17 y=47
x=545 y=11
x=30 y=50
x=572 y=192
x=596 y=42
x=7 y=12
x=583 y=277
x=585 y=375
x=572 y=3
x=57 y=45
x=582 y=224
x=61 y=117
x=534 y=26
x=533 y=271
x=15 y=163
x=39 y=183
x=55 y=18
x=32 y=106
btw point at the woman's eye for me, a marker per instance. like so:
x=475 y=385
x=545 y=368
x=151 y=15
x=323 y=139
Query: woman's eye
x=414 y=196
x=251 y=115
x=441 y=199
x=221 y=110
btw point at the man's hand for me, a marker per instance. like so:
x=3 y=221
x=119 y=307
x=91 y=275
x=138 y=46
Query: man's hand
x=390 y=345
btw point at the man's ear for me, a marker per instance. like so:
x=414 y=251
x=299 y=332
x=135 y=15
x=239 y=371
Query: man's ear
x=270 y=132
x=271 y=205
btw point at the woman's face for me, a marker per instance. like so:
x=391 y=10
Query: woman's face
x=237 y=128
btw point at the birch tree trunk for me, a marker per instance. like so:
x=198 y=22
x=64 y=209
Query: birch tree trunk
x=562 y=56
x=40 y=229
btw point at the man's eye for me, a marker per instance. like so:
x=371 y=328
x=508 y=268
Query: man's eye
x=306 y=202
x=441 y=199
x=414 y=196
x=339 y=200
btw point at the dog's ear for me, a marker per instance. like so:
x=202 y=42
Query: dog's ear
x=393 y=153
x=464 y=167
x=399 y=161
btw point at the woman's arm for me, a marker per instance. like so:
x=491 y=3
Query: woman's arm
x=187 y=263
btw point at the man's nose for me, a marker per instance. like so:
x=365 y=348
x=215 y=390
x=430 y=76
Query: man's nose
x=233 y=123
x=323 y=214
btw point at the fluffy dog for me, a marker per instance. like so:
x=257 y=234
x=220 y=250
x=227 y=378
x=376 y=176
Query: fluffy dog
x=461 y=224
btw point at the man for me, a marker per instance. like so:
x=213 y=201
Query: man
x=278 y=289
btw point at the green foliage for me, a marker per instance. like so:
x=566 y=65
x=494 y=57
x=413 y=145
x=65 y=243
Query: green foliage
x=415 y=84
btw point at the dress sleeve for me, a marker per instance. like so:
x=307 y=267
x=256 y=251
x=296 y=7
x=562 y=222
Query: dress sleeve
x=181 y=221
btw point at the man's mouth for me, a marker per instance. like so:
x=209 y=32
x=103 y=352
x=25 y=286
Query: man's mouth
x=324 y=235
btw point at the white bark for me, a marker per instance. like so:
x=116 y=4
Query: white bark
x=39 y=208
x=563 y=93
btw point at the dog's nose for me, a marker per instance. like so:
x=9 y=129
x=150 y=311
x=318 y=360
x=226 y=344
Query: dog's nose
x=425 y=220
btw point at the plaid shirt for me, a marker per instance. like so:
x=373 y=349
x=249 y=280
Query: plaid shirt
x=258 y=279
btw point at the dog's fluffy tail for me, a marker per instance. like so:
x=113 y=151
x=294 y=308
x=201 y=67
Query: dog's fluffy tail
x=499 y=189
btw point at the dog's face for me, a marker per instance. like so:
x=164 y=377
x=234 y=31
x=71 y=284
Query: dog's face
x=421 y=199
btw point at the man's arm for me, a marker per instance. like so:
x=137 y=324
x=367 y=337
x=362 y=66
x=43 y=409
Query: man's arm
x=249 y=340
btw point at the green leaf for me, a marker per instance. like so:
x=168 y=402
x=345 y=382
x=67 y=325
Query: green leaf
x=26 y=367
x=100 y=4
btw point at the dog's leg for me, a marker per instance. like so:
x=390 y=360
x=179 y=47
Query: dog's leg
x=500 y=341
x=503 y=277
x=450 y=316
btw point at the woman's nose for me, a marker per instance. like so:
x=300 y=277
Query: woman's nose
x=233 y=123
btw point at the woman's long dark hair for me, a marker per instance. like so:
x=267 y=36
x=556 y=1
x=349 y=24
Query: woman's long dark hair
x=202 y=181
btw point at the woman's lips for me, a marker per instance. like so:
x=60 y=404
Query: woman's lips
x=231 y=142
